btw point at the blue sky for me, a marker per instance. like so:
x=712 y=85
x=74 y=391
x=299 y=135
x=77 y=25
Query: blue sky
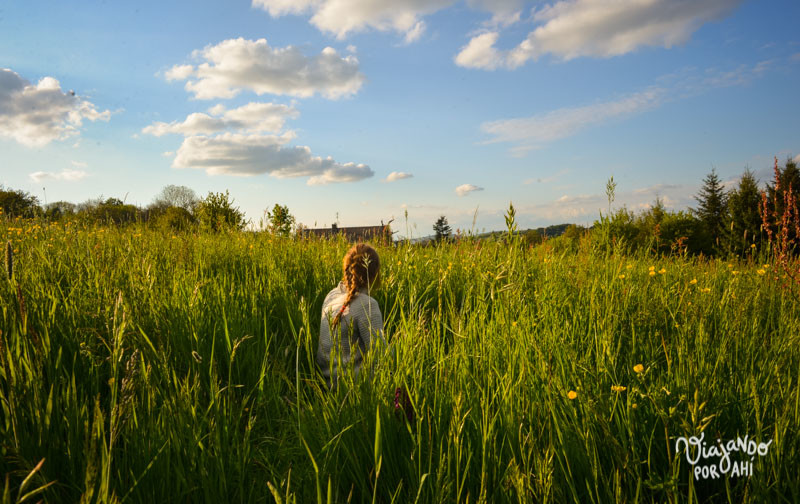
x=314 y=103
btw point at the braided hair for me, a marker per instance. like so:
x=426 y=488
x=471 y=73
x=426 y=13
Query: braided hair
x=361 y=269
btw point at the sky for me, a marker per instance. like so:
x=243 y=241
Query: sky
x=359 y=112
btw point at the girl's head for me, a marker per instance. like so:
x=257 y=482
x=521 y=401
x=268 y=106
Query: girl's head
x=361 y=269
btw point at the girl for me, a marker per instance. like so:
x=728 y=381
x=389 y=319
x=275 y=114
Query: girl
x=351 y=318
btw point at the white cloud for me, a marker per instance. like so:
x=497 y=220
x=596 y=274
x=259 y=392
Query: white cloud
x=239 y=64
x=533 y=132
x=65 y=175
x=398 y=176
x=79 y=164
x=465 y=189
x=253 y=117
x=237 y=154
x=35 y=115
x=797 y=159
x=168 y=153
x=480 y=53
x=405 y=17
x=341 y=17
x=585 y=208
x=569 y=29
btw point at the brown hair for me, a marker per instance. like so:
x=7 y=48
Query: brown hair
x=360 y=268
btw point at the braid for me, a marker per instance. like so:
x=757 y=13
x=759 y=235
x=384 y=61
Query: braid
x=356 y=274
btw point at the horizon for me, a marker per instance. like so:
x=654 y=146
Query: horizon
x=357 y=115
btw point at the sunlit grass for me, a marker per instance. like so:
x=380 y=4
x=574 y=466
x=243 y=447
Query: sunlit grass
x=151 y=367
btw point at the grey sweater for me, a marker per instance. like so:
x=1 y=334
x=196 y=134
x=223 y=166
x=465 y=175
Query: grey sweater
x=360 y=327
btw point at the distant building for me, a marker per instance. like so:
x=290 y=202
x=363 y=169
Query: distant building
x=353 y=234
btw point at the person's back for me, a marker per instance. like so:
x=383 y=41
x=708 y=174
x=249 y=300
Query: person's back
x=359 y=327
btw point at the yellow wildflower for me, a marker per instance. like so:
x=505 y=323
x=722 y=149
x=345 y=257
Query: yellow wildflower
x=638 y=368
x=652 y=268
x=753 y=245
x=652 y=273
x=621 y=277
x=630 y=266
x=735 y=272
x=662 y=271
x=618 y=388
x=693 y=281
x=572 y=395
x=761 y=272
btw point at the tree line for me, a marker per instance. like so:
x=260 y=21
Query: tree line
x=175 y=208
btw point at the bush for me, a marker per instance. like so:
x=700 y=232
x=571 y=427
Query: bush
x=217 y=213
x=18 y=203
x=175 y=219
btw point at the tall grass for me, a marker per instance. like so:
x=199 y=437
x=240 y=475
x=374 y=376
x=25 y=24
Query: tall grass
x=144 y=367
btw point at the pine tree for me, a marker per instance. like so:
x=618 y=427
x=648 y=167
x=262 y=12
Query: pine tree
x=442 y=229
x=712 y=211
x=743 y=214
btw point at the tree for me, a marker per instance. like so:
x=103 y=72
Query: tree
x=442 y=229
x=280 y=221
x=18 y=203
x=217 y=213
x=176 y=196
x=743 y=214
x=712 y=211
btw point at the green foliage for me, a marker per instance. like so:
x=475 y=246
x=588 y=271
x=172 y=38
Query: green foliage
x=712 y=211
x=147 y=368
x=744 y=215
x=113 y=211
x=18 y=203
x=176 y=219
x=442 y=229
x=280 y=221
x=217 y=213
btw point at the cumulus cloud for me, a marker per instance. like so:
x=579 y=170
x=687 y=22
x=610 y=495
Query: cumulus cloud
x=343 y=17
x=481 y=53
x=35 y=115
x=65 y=175
x=253 y=117
x=238 y=154
x=569 y=29
x=398 y=176
x=239 y=64
x=465 y=189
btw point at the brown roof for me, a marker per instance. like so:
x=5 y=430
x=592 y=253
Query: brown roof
x=357 y=233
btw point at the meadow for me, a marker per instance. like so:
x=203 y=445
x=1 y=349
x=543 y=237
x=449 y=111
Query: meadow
x=143 y=366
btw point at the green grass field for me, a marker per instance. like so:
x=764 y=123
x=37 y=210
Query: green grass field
x=146 y=367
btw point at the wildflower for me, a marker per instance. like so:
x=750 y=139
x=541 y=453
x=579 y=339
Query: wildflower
x=638 y=368
x=752 y=245
x=693 y=281
x=652 y=273
x=571 y=395
x=630 y=266
x=634 y=406
x=761 y=272
x=618 y=388
x=706 y=290
x=514 y=324
x=621 y=277
x=652 y=268
x=735 y=272
x=662 y=271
